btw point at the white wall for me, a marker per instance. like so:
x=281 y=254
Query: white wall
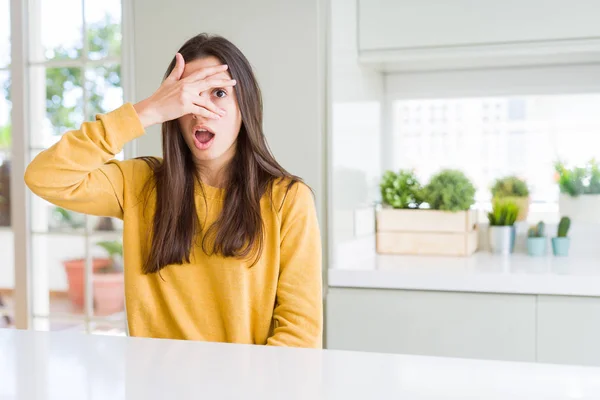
x=356 y=96
x=285 y=42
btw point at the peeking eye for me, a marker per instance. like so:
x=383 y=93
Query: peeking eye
x=220 y=93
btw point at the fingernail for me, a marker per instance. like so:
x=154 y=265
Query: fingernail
x=216 y=116
x=222 y=112
x=234 y=81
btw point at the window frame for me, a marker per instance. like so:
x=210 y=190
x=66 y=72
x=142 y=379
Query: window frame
x=26 y=304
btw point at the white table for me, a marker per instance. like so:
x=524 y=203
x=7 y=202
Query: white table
x=39 y=365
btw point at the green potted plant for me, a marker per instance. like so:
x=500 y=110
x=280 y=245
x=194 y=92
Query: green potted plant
x=502 y=226
x=536 y=240
x=450 y=190
x=579 y=191
x=62 y=219
x=401 y=190
x=109 y=285
x=513 y=189
x=561 y=243
x=445 y=227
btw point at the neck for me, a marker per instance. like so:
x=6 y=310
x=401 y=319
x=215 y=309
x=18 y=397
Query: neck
x=215 y=172
x=216 y=177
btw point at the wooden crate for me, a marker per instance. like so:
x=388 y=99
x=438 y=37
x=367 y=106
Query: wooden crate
x=389 y=219
x=425 y=243
x=427 y=232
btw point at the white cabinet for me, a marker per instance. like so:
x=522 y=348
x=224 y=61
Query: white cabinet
x=452 y=324
x=408 y=24
x=547 y=329
x=405 y=35
x=569 y=330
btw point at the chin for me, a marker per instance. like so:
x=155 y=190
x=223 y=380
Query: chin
x=205 y=156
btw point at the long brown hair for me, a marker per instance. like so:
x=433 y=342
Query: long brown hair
x=238 y=230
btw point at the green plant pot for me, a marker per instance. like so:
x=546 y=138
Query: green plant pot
x=560 y=246
x=536 y=246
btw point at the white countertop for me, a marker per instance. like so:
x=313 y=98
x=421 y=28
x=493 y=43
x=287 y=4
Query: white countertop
x=482 y=272
x=43 y=366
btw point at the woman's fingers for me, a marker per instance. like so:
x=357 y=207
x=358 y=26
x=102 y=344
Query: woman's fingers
x=210 y=108
x=206 y=72
x=198 y=110
x=203 y=85
x=175 y=75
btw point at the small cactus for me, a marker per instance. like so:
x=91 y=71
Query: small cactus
x=537 y=231
x=541 y=229
x=563 y=226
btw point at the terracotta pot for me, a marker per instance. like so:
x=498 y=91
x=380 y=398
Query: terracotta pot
x=109 y=290
x=75 y=277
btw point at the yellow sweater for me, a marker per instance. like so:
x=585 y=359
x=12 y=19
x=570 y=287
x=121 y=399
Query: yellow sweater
x=276 y=302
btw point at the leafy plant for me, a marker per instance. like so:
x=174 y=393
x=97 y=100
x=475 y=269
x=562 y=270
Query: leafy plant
x=68 y=217
x=5 y=137
x=537 y=231
x=563 y=226
x=576 y=181
x=450 y=190
x=401 y=190
x=114 y=249
x=594 y=184
x=104 y=38
x=504 y=213
x=510 y=186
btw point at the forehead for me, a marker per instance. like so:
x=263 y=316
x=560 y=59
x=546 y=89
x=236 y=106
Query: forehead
x=201 y=63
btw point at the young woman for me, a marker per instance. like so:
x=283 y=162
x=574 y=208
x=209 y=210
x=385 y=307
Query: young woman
x=220 y=242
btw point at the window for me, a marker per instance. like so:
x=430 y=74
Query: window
x=5 y=108
x=490 y=137
x=72 y=73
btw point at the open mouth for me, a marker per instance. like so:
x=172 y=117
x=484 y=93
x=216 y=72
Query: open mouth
x=203 y=138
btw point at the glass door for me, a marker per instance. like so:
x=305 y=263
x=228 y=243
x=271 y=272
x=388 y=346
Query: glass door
x=74 y=74
x=68 y=266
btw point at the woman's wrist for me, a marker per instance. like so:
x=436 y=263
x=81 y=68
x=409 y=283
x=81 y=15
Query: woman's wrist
x=145 y=113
